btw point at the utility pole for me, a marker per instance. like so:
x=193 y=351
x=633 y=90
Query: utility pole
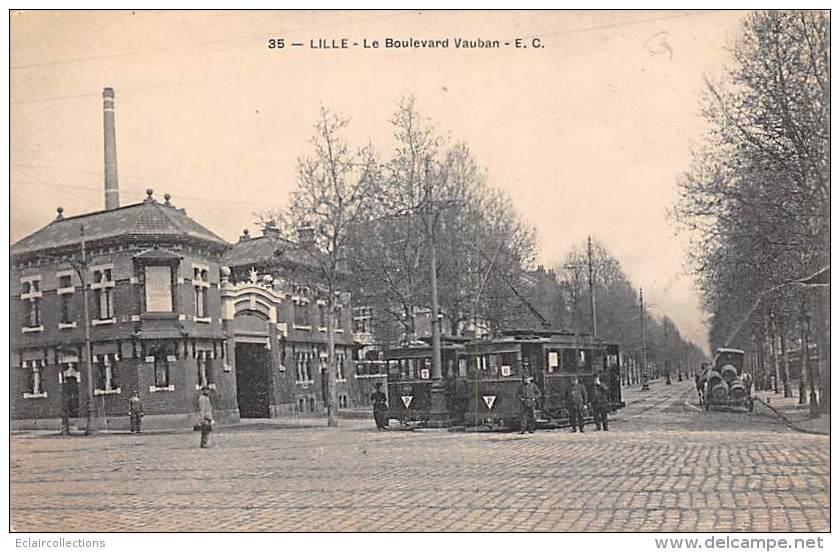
x=667 y=352
x=92 y=418
x=591 y=286
x=645 y=386
x=774 y=354
x=438 y=413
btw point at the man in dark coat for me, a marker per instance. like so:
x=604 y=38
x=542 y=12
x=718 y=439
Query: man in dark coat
x=600 y=404
x=380 y=407
x=135 y=412
x=578 y=398
x=528 y=395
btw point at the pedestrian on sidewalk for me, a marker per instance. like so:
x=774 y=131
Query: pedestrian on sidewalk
x=528 y=395
x=600 y=404
x=577 y=404
x=205 y=416
x=380 y=407
x=135 y=412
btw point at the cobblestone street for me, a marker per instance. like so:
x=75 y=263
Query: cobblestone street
x=665 y=465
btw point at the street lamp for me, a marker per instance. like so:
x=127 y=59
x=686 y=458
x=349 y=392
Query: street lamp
x=81 y=268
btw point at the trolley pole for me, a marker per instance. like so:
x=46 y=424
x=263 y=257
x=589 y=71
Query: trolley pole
x=438 y=414
x=591 y=287
x=645 y=386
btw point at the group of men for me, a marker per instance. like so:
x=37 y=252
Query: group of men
x=529 y=395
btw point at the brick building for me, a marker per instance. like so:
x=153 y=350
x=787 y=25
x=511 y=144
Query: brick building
x=279 y=329
x=153 y=295
x=166 y=318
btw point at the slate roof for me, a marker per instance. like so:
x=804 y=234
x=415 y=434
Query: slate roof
x=146 y=219
x=262 y=250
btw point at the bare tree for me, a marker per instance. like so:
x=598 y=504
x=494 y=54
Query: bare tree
x=336 y=184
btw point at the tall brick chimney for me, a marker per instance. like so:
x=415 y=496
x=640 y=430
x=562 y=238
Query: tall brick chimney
x=112 y=191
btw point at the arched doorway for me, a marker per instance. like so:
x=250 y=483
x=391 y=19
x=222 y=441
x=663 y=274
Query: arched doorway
x=253 y=366
x=255 y=317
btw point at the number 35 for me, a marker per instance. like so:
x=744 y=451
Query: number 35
x=276 y=43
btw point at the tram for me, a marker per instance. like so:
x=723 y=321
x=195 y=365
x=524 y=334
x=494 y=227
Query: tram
x=553 y=359
x=482 y=376
x=410 y=377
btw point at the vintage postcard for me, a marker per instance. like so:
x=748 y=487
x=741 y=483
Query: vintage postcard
x=420 y=271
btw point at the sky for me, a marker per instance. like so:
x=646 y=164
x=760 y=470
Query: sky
x=587 y=133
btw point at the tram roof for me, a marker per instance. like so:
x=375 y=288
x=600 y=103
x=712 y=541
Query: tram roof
x=545 y=336
x=724 y=350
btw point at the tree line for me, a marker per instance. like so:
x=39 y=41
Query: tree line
x=756 y=197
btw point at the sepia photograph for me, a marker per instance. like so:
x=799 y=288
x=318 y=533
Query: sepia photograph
x=420 y=271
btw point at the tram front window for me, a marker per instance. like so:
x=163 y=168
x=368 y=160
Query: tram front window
x=394 y=370
x=569 y=360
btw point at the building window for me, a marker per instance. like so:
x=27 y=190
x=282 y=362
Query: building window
x=65 y=293
x=105 y=367
x=301 y=314
x=103 y=292
x=66 y=308
x=34 y=318
x=303 y=362
x=362 y=317
x=158 y=288
x=204 y=367
x=200 y=285
x=339 y=367
x=31 y=297
x=161 y=370
x=322 y=316
x=35 y=383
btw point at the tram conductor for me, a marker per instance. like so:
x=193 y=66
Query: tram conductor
x=528 y=395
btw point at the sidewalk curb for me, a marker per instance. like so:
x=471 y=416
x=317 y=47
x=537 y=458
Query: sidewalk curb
x=788 y=422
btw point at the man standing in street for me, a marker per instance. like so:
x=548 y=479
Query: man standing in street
x=600 y=404
x=135 y=412
x=380 y=407
x=577 y=403
x=205 y=415
x=528 y=395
